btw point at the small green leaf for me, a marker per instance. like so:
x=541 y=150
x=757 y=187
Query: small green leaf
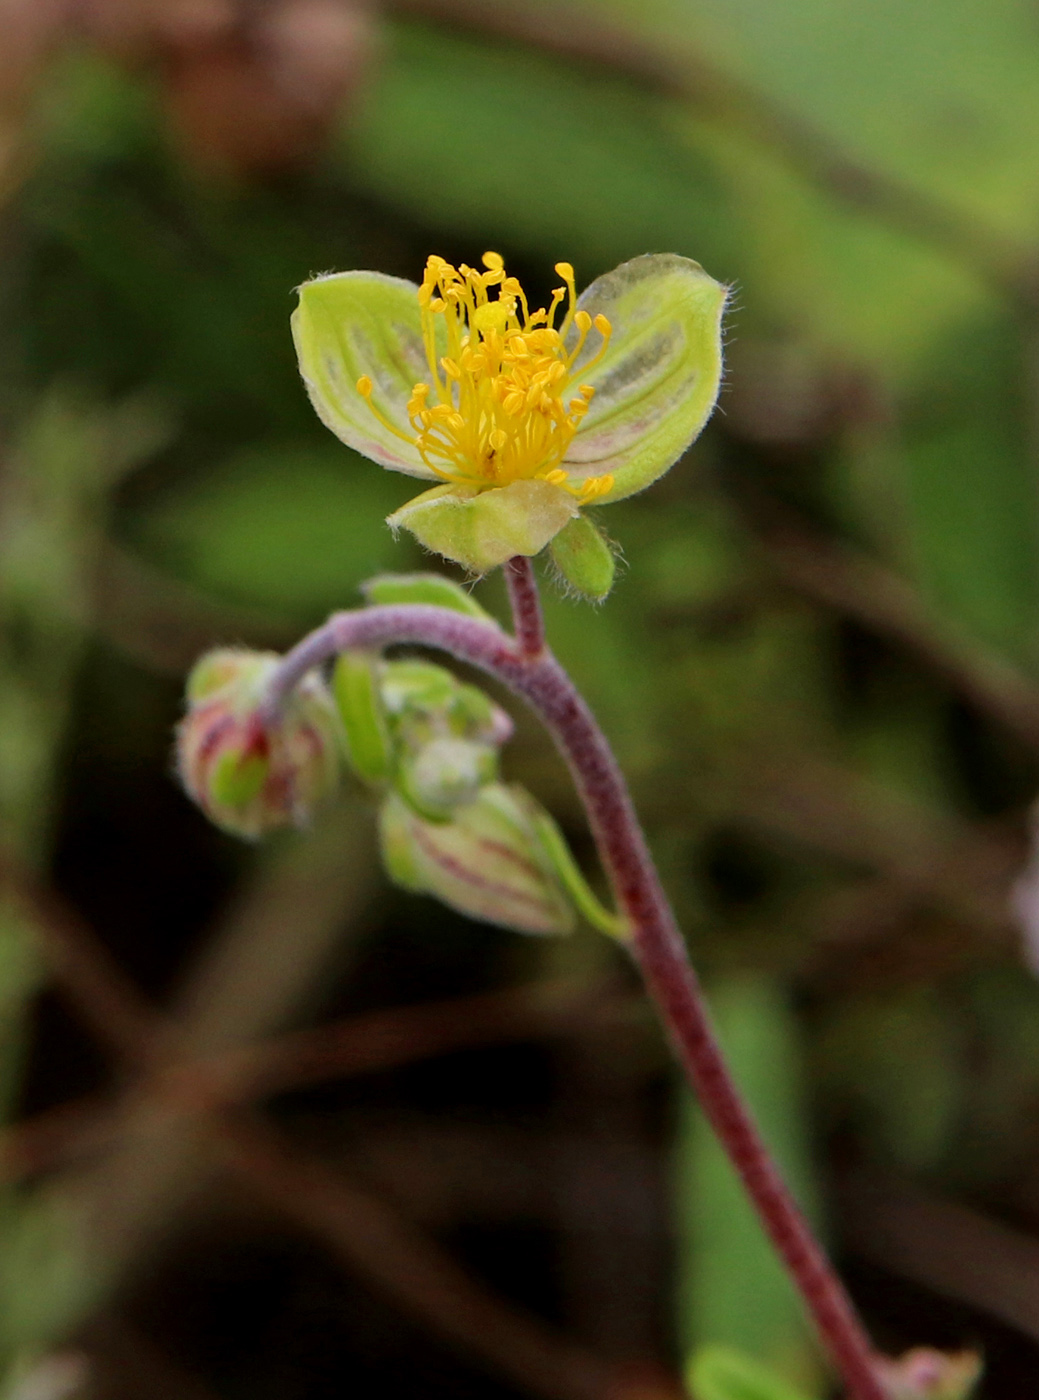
x=355 y=686
x=722 y=1373
x=658 y=382
x=435 y=589
x=584 y=559
x=482 y=530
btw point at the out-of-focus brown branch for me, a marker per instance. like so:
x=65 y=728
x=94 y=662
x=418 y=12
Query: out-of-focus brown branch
x=106 y=1000
x=164 y=624
x=580 y=33
x=358 y=1045
x=382 y=1040
x=413 y=1270
x=126 y=1365
x=945 y=1246
x=850 y=582
x=364 y=1231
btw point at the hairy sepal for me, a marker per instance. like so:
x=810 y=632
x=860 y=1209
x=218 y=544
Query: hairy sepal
x=481 y=530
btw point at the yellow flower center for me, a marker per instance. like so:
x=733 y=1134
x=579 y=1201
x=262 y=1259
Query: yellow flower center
x=501 y=406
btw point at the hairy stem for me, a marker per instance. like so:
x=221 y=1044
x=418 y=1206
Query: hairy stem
x=655 y=940
x=526 y=605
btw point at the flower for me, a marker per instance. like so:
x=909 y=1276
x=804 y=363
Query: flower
x=521 y=417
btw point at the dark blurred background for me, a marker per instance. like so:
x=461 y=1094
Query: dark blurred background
x=279 y=1133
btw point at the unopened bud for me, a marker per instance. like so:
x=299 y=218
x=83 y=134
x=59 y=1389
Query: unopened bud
x=926 y=1374
x=246 y=776
x=444 y=774
x=488 y=862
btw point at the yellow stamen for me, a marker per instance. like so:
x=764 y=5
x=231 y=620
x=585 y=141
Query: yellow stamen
x=504 y=405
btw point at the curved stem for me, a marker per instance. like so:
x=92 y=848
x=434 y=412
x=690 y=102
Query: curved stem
x=655 y=940
x=526 y=605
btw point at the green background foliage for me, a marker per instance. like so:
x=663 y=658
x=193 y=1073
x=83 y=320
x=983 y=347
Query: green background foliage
x=818 y=664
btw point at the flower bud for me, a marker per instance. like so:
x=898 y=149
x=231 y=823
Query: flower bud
x=925 y=1374
x=247 y=777
x=488 y=862
x=444 y=774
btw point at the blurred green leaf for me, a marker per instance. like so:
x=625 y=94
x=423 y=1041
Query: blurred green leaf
x=502 y=144
x=290 y=528
x=722 y=1373
x=733 y=1291
x=896 y=1064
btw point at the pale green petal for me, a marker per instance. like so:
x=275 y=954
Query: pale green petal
x=353 y=323
x=658 y=382
x=481 y=531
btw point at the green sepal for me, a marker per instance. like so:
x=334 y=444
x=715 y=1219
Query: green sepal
x=568 y=872
x=584 y=559
x=435 y=589
x=236 y=778
x=488 y=862
x=722 y=1373
x=481 y=530
x=355 y=686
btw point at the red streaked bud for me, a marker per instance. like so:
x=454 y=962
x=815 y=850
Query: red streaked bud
x=488 y=861
x=246 y=777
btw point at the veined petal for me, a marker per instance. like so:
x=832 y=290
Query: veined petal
x=480 y=530
x=349 y=324
x=657 y=383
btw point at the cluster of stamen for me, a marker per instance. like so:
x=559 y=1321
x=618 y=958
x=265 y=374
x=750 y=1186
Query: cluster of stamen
x=501 y=406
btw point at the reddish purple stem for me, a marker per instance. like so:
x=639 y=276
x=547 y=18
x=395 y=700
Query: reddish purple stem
x=527 y=621
x=532 y=672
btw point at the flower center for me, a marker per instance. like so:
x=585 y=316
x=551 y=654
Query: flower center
x=501 y=406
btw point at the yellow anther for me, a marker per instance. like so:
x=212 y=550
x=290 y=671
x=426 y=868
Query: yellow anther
x=492 y=316
x=365 y=386
x=503 y=406
x=587 y=390
x=602 y=325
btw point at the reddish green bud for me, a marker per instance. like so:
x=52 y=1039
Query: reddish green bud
x=487 y=862
x=249 y=778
